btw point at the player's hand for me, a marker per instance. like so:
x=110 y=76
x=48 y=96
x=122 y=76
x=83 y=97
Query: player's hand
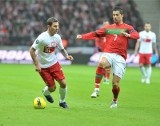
x=38 y=68
x=69 y=57
x=79 y=37
x=125 y=34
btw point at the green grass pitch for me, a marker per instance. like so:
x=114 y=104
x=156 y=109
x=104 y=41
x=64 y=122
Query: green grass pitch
x=139 y=104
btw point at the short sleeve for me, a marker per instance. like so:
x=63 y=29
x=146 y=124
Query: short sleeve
x=59 y=41
x=37 y=43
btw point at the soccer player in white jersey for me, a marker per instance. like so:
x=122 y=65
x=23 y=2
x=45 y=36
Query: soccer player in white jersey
x=144 y=44
x=43 y=55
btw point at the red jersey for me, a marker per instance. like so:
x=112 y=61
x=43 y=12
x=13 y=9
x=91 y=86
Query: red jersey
x=116 y=41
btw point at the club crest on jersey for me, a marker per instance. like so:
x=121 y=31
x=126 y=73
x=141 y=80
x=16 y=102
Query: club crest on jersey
x=50 y=48
x=37 y=41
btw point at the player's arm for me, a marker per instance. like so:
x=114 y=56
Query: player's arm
x=136 y=48
x=132 y=33
x=65 y=54
x=61 y=48
x=155 y=49
x=92 y=35
x=155 y=45
x=33 y=56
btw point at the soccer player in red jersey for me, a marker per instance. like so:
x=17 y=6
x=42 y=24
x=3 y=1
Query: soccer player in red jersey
x=115 y=52
x=100 y=43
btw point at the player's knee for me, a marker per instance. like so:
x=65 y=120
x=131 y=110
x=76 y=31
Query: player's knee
x=62 y=83
x=52 y=89
x=115 y=83
x=102 y=63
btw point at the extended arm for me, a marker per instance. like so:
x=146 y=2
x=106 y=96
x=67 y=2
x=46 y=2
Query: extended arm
x=65 y=54
x=87 y=36
x=92 y=35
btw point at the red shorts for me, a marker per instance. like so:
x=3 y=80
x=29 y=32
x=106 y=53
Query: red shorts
x=145 y=58
x=52 y=73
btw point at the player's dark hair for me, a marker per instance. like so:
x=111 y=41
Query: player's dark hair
x=51 y=20
x=117 y=8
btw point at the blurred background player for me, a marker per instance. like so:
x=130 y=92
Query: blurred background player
x=100 y=43
x=115 y=52
x=144 y=44
x=46 y=61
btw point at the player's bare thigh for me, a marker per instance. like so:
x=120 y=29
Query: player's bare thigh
x=103 y=62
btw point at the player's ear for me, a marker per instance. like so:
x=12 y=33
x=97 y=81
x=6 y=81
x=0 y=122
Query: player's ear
x=48 y=26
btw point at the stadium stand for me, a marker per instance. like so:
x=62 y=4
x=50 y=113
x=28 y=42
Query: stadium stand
x=21 y=21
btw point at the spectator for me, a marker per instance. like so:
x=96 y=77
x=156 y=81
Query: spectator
x=27 y=18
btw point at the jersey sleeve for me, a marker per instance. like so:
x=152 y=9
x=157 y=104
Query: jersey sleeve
x=100 y=32
x=59 y=42
x=38 y=42
x=133 y=33
x=88 y=36
x=93 y=35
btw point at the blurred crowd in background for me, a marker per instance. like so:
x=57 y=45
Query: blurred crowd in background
x=21 y=21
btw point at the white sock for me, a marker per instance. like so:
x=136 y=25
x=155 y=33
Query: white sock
x=46 y=91
x=143 y=71
x=96 y=89
x=149 y=71
x=62 y=92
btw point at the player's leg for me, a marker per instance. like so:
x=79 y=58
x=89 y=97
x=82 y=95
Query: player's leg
x=60 y=78
x=98 y=79
x=115 y=90
x=103 y=63
x=50 y=85
x=142 y=67
x=107 y=76
x=62 y=92
x=118 y=68
x=148 y=68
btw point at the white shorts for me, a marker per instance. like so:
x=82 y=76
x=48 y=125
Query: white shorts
x=117 y=63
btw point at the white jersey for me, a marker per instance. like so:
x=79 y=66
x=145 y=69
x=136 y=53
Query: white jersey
x=146 y=40
x=45 y=46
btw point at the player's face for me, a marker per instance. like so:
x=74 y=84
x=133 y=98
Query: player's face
x=54 y=28
x=147 y=27
x=117 y=17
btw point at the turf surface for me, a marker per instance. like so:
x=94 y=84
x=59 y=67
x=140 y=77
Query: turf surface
x=139 y=104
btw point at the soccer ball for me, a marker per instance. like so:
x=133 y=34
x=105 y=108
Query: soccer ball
x=39 y=103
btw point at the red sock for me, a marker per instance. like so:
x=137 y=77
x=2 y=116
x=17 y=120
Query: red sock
x=99 y=74
x=107 y=73
x=115 y=93
x=97 y=85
